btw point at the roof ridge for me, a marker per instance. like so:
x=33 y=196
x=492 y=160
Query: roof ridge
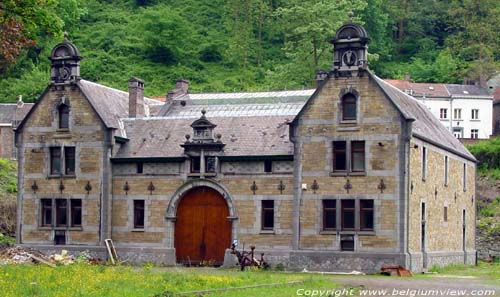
x=110 y=88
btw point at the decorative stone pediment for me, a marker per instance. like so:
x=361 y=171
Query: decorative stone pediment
x=65 y=62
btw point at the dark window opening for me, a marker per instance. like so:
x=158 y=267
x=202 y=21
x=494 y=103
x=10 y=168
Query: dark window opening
x=268 y=166
x=210 y=164
x=445 y=214
x=63 y=116
x=46 y=212
x=76 y=212
x=347 y=243
x=339 y=156
x=55 y=160
x=366 y=214
x=195 y=165
x=140 y=167
x=69 y=160
x=139 y=214
x=61 y=212
x=358 y=156
x=60 y=237
x=424 y=163
x=349 y=107
x=267 y=214
x=329 y=214
x=348 y=214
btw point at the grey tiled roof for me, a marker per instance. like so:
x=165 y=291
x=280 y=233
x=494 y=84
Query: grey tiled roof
x=243 y=136
x=467 y=90
x=7 y=112
x=425 y=126
x=236 y=110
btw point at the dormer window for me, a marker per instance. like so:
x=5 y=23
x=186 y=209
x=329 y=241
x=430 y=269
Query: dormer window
x=63 y=111
x=349 y=107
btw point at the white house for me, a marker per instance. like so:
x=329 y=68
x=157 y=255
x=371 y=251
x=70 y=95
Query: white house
x=466 y=110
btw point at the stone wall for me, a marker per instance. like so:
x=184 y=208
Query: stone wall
x=6 y=142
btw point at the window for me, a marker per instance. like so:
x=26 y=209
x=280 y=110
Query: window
x=475 y=114
x=457 y=113
x=55 y=160
x=366 y=214
x=267 y=214
x=69 y=160
x=464 y=177
x=424 y=163
x=458 y=132
x=347 y=243
x=349 y=107
x=61 y=212
x=140 y=167
x=339 y=156
x=210 y=164
x=76 y=212
x=46 y=207
x=268 y=166
x=58 y=164
x=474 y=133
x=358 y=156
x=195 y=165
x=63 y=111
x=139 y=214
x=445 y=214
x=443 y=113
x=329 y=214
x=348 y=214
x=446 y=165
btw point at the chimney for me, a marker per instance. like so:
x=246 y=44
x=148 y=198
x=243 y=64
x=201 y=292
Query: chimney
x=407 y=77
x=20 y=102
x=321 y=75
x=181 y=88
x=136 y=108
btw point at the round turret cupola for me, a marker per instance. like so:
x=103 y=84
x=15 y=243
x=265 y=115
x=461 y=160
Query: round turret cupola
x=65 y=62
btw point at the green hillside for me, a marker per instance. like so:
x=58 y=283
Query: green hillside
x=231 y=45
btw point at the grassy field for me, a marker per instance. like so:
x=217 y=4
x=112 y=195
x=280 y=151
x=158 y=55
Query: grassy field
x=85 y=280
x=486 y=271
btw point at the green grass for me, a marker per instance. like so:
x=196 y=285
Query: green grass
x=85 y=280
x=484 y=270
x=8 y=179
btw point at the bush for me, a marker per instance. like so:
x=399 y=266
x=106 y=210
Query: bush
x=487 y=153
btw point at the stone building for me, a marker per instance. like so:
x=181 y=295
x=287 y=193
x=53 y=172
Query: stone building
x=351 y=175
x=10 y=116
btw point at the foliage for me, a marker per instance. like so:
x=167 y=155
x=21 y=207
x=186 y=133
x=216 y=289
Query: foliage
x=6 y=239
x=8 y=178
x=236 y=45
x=487 y=153
x=87 y=280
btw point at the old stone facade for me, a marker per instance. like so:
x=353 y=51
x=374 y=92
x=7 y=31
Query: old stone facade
x=10 y=116
x=322 y=179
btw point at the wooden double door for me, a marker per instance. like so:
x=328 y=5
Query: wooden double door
x=202 y=227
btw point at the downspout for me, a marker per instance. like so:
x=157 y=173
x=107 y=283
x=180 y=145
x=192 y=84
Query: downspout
x=406 y=192
x=19 y=145
x=297 y=193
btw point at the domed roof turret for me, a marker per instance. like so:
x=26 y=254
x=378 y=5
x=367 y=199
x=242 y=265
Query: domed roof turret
x=65 y=58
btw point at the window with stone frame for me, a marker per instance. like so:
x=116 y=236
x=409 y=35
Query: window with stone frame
x=210 y=164
x=366 y=214
x=357 y=156
x=62 y=160
x=446 y=170
x=55 y=160
x=339 y=156
x=464 y=177
x=139 y=167
x=424 y=163
x=268 y=166
x=69 y=160
x=267 y=214
x=348 y=217
x=195 y=165
x=349 y=107
x=61 y=212
x=46 y=212
x=139 y=214
x=63 y=112
x=445 y=214
x=329 y=214
x=76 y=212
x=348 y=156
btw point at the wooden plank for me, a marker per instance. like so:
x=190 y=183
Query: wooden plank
x=38 y=259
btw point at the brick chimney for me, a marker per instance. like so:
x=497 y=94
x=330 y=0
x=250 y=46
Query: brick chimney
x=136 y=108
x=181 y=88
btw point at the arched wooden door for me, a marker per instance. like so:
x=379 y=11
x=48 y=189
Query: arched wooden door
x=202 y=227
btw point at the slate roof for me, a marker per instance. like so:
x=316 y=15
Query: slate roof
x=425 y=125
x=468 y=90
x=7 y=112
x=431 y=90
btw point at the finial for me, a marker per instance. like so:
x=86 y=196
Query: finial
x=203 y=112
x=66 y=35
x=350 y=14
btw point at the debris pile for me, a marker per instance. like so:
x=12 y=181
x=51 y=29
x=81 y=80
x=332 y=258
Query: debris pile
x=21 y=255
x=395 y=270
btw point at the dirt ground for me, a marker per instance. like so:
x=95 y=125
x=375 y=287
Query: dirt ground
x=444 y=285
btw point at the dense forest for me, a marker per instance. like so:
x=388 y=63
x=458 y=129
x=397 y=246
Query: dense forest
x=233 y=45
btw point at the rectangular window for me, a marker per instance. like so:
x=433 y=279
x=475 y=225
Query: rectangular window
x=339 y=156
x=55 y=160
x=457 y=113
x=329 y=214
x=464 y=177
x=267 y=214
x=475 y=114
x=358 y=156
x=268 y=166
x=46 y=207
x=195 y=165
x=446 y=165
x=424 y=163
x=69 y=160
x=140 y=167
x=139 y=214
x=443 y=113
x=61 y=212
x=474 y=133
x=348 y=214
x=366 y=214
x=347 y=243
x=76 y=212
x=445 y=214
x=210 y=164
